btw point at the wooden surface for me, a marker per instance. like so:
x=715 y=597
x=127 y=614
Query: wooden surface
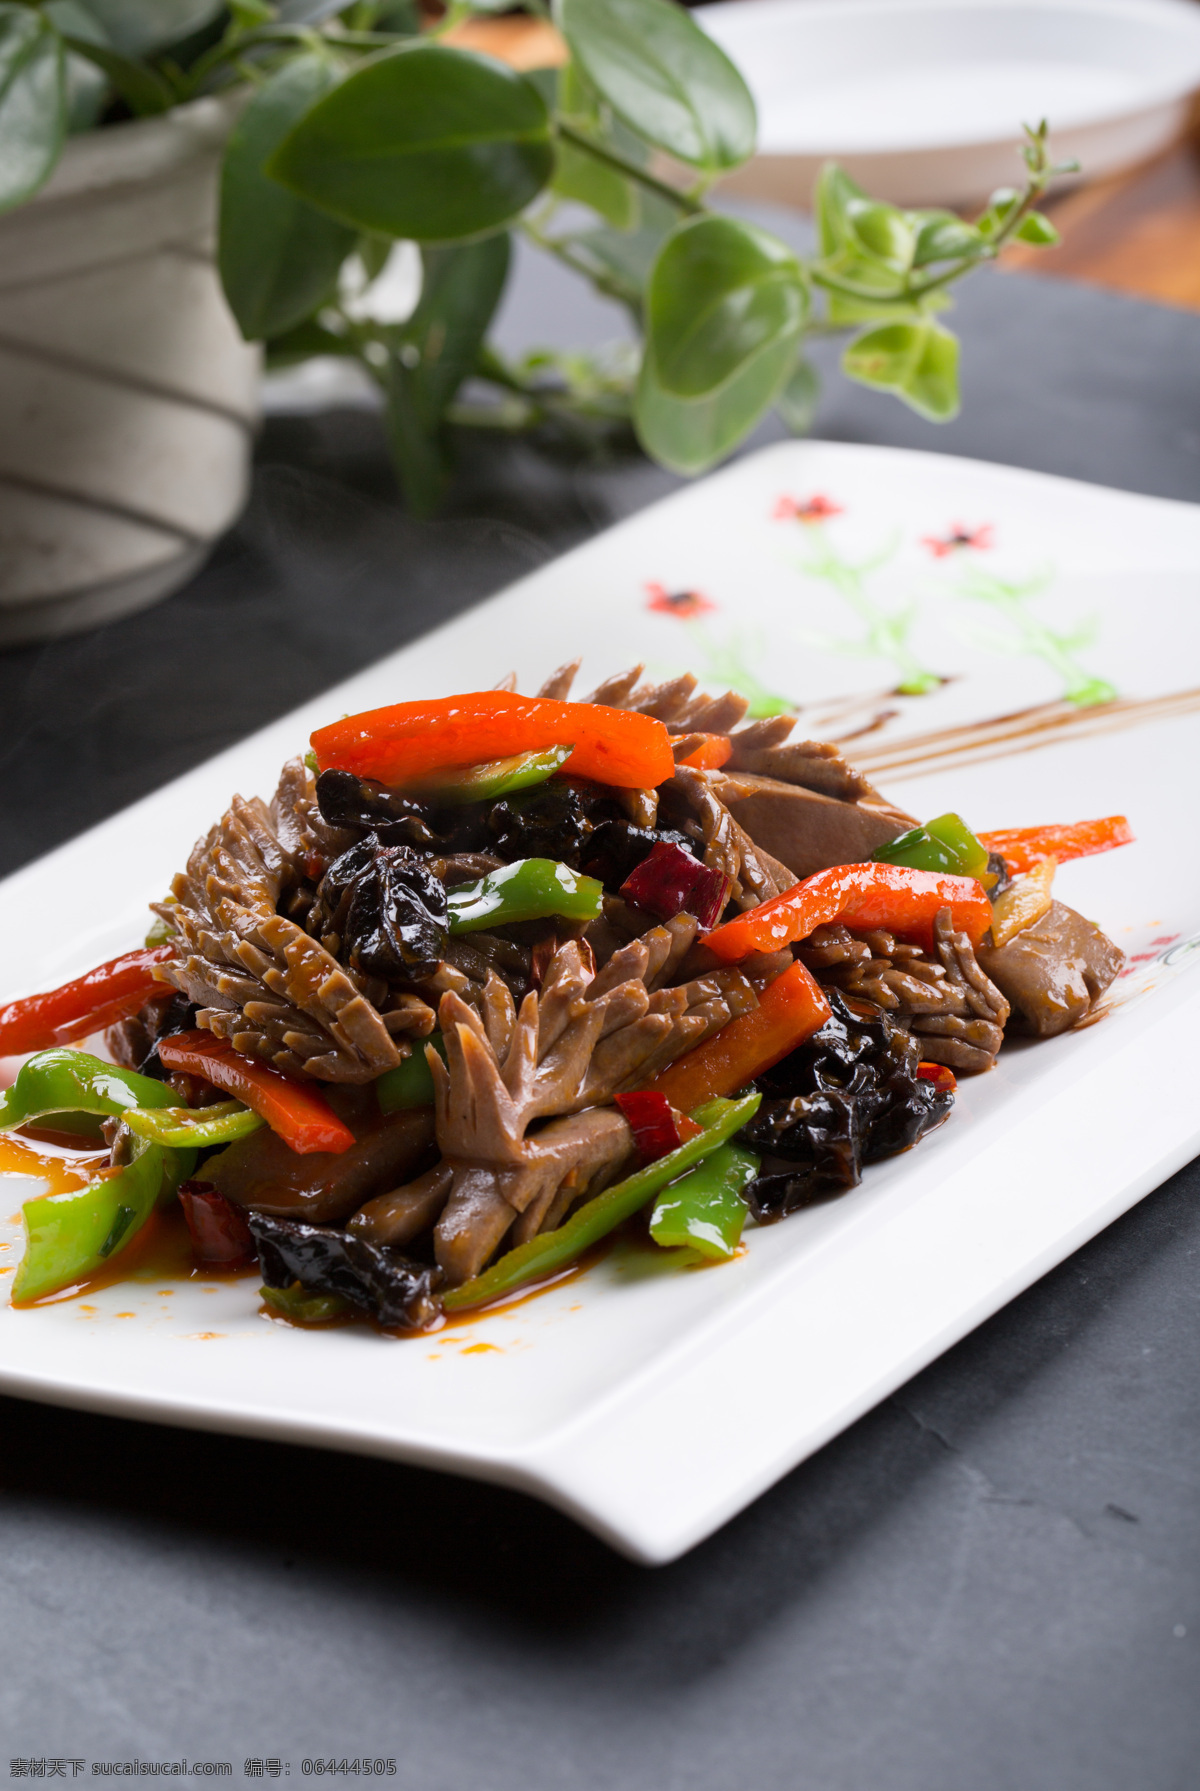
x=515 y=38
x=1138 y=232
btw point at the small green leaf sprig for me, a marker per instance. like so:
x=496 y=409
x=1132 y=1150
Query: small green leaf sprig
x=886 y=627
x=891 y=270
x=357 y=131
x=1023 y=633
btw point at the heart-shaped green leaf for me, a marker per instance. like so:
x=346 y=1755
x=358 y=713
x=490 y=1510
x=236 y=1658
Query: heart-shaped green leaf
x=881 y=232
x=142 y=27
x=835 y=193
x=143 y=90
x=87 y=88
x=797 y=402
x=1000 y=207
x=842 y=310
x=884 y=357
x=943 y=237
x=424 y=142
x=932 y=385
x=619 y=261
x=308 y=12
x=691 y=434
x=664 y=76
x=720 y=294
x=1036 y=228
x=433 y=353
x=460 y=290
x=588 y=178
x=279 y=258
x=916 y=361
x=33 y=102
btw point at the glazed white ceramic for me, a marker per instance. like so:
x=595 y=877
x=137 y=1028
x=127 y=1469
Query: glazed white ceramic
x=127 y=396
x=922 y=101
x=652 y=1401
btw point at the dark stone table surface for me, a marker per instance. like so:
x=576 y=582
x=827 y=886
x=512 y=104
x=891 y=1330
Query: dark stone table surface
x=991 y=1583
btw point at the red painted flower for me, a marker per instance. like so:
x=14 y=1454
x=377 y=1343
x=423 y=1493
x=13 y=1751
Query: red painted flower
x=960 y=537
x=817 y=508
x=684 y=604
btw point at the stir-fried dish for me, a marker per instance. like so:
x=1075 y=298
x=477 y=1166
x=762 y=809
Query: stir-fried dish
x=491 y=975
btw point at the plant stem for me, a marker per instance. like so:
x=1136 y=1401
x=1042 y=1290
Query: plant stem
x=491 y=367
x=851 y=289
x=363 y=40
x=613 y=288
x=913 y=291
x=486 y=416
x=989 y=253
x=579 y=140
x=574 y=403
x=234 y=45
x=1035 y=186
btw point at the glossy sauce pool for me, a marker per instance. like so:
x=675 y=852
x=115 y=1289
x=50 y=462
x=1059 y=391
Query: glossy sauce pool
x=60 y=1168
x=162 y=1250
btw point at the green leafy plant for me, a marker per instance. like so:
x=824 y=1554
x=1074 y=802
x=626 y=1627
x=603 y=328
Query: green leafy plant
x=357 y=130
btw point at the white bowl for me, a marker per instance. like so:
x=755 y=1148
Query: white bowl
x=922 y=101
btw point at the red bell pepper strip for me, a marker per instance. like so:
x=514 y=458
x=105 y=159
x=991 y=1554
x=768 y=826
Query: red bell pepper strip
x=657 y=1127
x=711 y=752
x=408 y=742
x=790 y=1010
x=943 y=1078
x=1022 y=848
x=111 y=992
x=894 y=896
x=294 y=1109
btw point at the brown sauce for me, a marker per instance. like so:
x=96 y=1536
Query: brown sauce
x=523 y=1296
x=453 y=1321
x=52 y=1158
x=1022 y=730
x=161 y=1251
x=637 y=1257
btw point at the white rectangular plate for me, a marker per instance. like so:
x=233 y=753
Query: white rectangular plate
x=652 y=1405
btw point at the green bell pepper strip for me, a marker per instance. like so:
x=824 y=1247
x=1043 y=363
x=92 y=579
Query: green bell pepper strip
x=297 y=1303
x=66 y=1081
x=194 y=1127
x=945 y=845
x=554 y=1250
x=705 y=1208
x=87 y=1128
x=161 y=930
x=410 y=1084
x=496 y=777
x=530 y=889
x=69 y=1236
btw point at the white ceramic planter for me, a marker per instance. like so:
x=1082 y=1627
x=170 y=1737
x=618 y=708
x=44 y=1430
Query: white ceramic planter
x=127 y=396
